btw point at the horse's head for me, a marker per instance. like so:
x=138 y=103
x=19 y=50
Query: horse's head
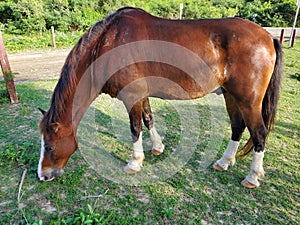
x=58 y=143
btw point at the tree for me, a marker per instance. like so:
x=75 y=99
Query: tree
x=269 y=13
x=22 y=16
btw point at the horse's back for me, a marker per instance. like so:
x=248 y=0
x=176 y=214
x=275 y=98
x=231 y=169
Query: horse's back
x=133 y=19
x=209 y=38
x=230 y=50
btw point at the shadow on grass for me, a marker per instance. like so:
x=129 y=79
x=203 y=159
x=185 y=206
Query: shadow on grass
x=287 y=129
x=295 y=76
x=105 y=139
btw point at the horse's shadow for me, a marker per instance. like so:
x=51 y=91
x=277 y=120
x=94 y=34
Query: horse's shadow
x=186 y=128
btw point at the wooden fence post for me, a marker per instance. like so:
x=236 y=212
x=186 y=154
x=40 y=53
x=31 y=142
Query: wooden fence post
x=8 y=77
x=293 y=38
x=53 y=37
x=281 y=36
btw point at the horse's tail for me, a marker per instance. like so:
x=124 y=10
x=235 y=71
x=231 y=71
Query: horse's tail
x=270 y=100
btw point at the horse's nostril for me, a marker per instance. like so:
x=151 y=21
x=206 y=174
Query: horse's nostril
x=51 y=175
x=46 y=178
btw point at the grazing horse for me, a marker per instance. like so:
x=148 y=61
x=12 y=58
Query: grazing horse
x=132 y=55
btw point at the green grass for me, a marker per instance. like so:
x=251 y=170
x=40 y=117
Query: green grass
x=193 y=195
x=35 y=41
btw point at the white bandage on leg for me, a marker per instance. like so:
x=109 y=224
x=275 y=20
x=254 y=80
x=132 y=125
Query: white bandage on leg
x=156 y=140
x=229 y=155
x=138 y=155
x=256 y=169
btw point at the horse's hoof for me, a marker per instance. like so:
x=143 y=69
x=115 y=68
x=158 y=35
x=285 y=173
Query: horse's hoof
x=155 y=152
x=128 y=170
x=247 y=184
x=217 y=167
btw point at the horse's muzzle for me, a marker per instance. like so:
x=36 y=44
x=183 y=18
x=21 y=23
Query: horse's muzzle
x=50 y=174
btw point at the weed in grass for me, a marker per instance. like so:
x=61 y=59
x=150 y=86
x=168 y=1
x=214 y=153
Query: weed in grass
x=18 y=154
x=4 y=97
x=85 y=217
x=168 y=212
x=296 y=76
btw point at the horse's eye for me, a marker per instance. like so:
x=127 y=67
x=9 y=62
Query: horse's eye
x=49 y=149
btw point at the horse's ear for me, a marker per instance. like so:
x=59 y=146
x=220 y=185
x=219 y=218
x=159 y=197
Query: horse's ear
x=42 y=111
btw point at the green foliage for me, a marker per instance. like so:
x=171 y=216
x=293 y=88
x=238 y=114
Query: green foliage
x=85 y=217
x=27 y=16
x=209 y=9
x=269 y=13
x=296 y=76
x=33 y=41
x=22 y=16
x=19 y=154
x=4 y=98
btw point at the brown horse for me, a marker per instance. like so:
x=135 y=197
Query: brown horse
x=132 y=55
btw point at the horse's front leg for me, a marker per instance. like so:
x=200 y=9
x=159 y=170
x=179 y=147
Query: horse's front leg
x=135 y=116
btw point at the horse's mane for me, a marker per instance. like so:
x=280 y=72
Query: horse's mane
x=69 y=79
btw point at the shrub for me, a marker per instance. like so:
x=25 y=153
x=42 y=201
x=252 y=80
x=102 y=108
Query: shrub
x=26 y=16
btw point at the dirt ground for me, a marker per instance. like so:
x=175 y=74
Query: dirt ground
x=37 y=65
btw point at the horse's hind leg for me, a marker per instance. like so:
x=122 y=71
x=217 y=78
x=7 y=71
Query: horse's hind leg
x=237 y=128
x=135 y=116
x=158 y=146
x=258 y=132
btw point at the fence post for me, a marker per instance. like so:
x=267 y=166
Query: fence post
x=180 y=10
x=293 y=39
x=281 y=36
x=7 y=74
x=295 y=22
x=53 y=37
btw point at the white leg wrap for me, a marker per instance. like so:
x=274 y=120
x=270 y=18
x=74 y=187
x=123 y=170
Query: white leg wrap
x=156 y=140
x=256 y=169
x=229 y=155
x=138 y=155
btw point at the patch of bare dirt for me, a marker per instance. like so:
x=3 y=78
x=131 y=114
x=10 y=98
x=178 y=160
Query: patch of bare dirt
x=37 y=65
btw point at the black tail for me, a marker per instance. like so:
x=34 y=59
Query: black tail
x=272 y=95
x=270 y=100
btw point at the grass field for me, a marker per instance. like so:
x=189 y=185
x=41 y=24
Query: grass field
x=192 y=193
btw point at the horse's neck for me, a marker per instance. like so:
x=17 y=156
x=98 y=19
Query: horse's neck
x=84 y=87
x=85 y=93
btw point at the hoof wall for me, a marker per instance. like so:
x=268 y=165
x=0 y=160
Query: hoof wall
x=247 y=184
x=217 y=167
x=128 y=170
x=155 y=152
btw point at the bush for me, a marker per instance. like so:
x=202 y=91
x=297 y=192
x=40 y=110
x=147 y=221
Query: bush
x=22 y=16
x=269 y=13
